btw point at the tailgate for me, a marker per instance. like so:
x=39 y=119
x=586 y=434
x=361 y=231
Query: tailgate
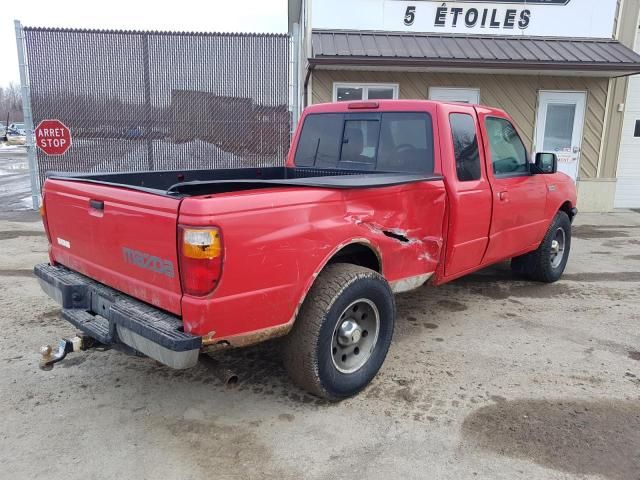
x=123 y=238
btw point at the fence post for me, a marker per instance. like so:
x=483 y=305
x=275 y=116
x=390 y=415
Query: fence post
x=28 y=116
x=294 y=73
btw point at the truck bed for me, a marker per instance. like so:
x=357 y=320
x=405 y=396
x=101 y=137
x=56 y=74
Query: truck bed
x=178 y=183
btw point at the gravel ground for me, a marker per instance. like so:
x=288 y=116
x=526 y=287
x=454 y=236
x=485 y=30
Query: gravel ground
x=488 y=377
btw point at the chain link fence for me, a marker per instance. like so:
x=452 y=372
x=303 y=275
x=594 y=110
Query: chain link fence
x=155 y=100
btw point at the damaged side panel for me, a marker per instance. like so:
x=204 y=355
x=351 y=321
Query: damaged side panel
x=275 y=250
x=407 y=227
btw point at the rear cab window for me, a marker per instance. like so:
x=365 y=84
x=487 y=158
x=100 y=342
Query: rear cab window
x=384 y=142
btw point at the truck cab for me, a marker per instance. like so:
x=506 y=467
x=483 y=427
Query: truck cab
x=499 y=198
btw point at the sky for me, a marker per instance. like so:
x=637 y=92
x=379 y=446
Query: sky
x=268 y=16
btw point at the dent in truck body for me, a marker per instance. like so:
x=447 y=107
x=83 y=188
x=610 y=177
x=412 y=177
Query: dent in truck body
x=274 y=251
x=212 y=342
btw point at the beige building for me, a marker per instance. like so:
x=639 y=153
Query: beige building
x=560 y=68
x=628 y=169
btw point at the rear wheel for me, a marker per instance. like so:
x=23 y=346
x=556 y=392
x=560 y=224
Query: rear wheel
x=343 y=332
x=547 y=263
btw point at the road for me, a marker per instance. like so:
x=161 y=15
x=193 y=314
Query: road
x=487 y=378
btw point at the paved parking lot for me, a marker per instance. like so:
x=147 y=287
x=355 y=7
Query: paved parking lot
x=487 y=378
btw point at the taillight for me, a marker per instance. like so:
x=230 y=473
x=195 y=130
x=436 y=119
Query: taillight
x=43 y=215
x=200 y=259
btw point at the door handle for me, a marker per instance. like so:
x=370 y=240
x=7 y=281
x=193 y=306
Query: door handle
x=97 y=204
x=503 y=196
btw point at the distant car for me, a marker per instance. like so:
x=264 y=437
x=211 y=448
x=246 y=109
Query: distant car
x=17 y=129
x=134 y=132
x=16 y=134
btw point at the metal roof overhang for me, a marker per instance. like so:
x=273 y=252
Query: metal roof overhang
x=353 y=50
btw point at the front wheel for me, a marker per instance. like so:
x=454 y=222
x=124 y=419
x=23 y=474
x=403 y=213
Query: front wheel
x=343 y=332
x=547 y=263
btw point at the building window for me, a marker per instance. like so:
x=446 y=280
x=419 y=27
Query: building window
x=455 y=94
x=636 y=130
x=558 y=130
x=345 y=92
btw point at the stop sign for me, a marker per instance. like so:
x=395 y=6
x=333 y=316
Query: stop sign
x=53 y=137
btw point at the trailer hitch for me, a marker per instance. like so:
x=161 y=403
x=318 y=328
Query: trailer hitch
x=50 y=356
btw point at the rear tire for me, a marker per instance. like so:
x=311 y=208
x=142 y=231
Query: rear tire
x=547 y=263
x=343 y=332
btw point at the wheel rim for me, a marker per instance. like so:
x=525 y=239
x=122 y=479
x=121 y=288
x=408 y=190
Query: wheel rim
x=557 y=247
x=355 y=335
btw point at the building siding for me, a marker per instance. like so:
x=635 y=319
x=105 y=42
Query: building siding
x=616 y=20
x=516 y=94
x=627 y=27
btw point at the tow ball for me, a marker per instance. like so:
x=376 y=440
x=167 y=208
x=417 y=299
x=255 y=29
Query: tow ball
x=51 y=356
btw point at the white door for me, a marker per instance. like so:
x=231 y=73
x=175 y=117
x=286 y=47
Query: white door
x=559 y=126
x=628 y=184
x=462 y=95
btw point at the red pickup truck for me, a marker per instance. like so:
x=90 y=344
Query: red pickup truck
x=376 y=198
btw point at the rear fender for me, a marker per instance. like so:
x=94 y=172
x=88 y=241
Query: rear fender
x=213 y=343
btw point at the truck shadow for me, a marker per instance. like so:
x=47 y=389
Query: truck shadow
x=423 y=314
x=260 y=370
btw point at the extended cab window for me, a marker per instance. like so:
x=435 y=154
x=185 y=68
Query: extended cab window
x=385 y=142
x=465 y=146
x=508 y=154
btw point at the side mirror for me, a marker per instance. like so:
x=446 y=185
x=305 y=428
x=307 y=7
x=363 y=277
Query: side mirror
x=546 y=162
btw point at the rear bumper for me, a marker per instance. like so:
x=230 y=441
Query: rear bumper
x=112 y=317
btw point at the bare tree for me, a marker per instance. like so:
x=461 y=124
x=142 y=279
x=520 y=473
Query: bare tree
x=10 y=103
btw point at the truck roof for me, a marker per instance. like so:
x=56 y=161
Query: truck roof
x=385 y=106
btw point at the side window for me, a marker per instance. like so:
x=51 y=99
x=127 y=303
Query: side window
x=406 y=143
x=508 y=154
x=319 y=143
x=359 y=144
x=465 y=146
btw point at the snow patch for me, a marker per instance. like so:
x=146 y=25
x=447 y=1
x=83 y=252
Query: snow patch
x=25 y=203
x=8 y=148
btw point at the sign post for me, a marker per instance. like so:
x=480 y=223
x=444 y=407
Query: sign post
x=53 y=137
